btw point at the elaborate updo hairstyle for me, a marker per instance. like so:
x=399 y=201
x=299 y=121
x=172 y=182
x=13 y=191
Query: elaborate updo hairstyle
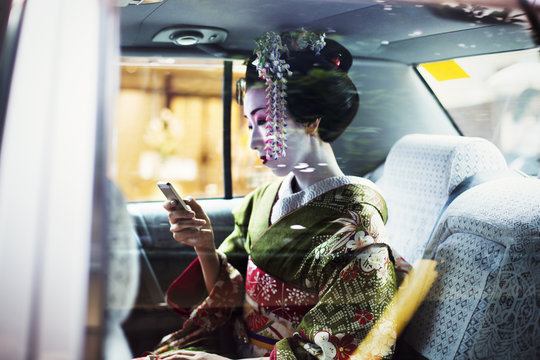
x=318 y=87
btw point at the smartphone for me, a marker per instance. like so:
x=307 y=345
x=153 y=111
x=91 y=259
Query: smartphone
x=170 y=193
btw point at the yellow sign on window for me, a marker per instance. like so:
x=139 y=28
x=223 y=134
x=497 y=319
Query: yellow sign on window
x=445 y=70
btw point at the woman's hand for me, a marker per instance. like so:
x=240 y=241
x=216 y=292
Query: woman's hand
x=191 y=227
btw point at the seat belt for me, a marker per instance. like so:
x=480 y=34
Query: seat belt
x=467 y=184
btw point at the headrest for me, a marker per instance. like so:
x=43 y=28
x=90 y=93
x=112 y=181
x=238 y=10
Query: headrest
x=440 y=161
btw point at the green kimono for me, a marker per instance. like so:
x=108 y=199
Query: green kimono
x=312 y=285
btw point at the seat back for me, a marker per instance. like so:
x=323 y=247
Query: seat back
x=419 y=174
x=485 y=302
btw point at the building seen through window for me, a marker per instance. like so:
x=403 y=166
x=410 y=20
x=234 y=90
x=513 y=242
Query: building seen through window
x=170 y=128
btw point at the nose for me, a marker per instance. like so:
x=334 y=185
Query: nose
x=256 y=141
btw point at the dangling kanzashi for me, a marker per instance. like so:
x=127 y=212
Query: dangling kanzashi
x=275 y=71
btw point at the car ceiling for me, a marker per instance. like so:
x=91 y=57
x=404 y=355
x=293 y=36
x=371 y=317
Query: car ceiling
x=403 y=32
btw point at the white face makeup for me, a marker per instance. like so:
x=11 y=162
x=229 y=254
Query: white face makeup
x=298 y=140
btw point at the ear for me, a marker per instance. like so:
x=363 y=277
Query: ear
x=312 y=127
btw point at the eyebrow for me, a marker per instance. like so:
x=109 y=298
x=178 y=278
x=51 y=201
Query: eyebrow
x=255 y=111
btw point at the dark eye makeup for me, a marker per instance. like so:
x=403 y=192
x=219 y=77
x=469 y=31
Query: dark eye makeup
x=259 y=122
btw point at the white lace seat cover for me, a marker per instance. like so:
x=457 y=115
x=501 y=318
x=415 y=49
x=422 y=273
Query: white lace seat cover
x=485 y=302
x=419 y=174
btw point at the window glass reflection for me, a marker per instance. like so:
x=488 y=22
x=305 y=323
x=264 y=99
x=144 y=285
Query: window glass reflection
x=170 y=127
x=498 y=99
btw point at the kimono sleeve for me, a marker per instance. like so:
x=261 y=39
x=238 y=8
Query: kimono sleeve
x=210 y=315
x=356 y=281
x=236 y=245
x=251 y=219
x=188 y=290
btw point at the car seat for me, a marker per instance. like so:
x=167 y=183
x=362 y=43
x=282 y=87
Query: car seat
x=420 y=173
x=485 y=302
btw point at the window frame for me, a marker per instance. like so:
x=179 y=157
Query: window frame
x=10 y=28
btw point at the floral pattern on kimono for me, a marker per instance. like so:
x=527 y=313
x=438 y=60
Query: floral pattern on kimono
x=330 y=252
x=271 y=309
x=213 y=312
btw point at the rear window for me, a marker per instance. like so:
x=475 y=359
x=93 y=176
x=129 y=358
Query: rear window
x=496 y=97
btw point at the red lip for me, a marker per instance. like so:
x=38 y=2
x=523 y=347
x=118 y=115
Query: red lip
x=263 y=159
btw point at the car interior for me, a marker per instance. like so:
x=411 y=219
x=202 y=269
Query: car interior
x=451 y=197
x=448 y=128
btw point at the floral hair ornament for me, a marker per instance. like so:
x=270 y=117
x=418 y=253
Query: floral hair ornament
x=274 y=70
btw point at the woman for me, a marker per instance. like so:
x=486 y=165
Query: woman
x=306 y=269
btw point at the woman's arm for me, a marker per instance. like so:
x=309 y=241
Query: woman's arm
x=193 y=228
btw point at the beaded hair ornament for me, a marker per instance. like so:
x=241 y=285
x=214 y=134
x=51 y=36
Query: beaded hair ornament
x=275 y=70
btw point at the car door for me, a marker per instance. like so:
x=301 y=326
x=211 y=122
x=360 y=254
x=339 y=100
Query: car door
x=52 y=173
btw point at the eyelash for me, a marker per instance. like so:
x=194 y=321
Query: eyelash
x=259 y=122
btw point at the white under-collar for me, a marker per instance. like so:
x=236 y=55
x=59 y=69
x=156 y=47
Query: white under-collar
x=289 y=201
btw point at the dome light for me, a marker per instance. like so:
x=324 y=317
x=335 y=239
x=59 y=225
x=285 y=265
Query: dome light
x=186 y=38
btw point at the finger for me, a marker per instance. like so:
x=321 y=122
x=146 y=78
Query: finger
x=189 y=237
x=169 y=205
x=183 y=224
x=180 y=215
x=172 y=205
x=194 y=205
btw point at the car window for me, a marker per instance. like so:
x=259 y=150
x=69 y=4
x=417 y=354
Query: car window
x=170 y=127
x=496 y=97
x=78 y=184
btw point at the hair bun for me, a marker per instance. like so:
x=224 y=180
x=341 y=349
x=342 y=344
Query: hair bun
x=305 y=75
x=337 y=54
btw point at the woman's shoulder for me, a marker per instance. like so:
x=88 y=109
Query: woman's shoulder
x=357 y=192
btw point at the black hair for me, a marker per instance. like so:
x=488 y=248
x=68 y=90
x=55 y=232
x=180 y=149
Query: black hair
x=319 y=87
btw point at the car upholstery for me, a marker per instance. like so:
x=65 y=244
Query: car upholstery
x=484 y=303
x=420 y=173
